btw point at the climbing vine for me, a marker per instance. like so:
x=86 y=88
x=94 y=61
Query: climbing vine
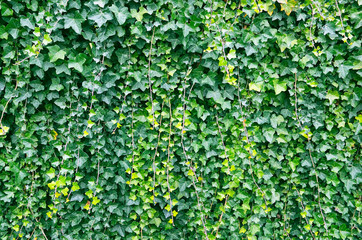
x=173 y=119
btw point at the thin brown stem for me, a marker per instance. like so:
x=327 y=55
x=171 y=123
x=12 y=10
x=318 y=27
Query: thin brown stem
x=222 y=141
x=296 y=102
x=133 y=145
x=6 y=105
x=42 y=43
x=340 y=17
x=187 y=159
x=149 y=77
x=310 y=156
x=249 y=150
x=301 y=202
x=168 y=160
x=222 y=214
x=154 y=156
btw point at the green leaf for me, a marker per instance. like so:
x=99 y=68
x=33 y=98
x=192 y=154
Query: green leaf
x=256 y=86
x=294 y=163
x=95 y=201
x=74 y=21
x=16 y=228
x=332 y=95
x=279 y=86
x=47 y=39
x=26 y=22
x=77 y=62
x=216 y=96
x=254 y=229
x=101 y=18
x=89 y=193
x=157 y=221
x=75 y=186
x=65 y=191
x=359 y=118
x=121 y=13
x=231 y=54
x=343 y=70
x=51 y=173
x=6 y=11
x=56 y=53
x=222 y=61
x=269 y=135
x=138 y=14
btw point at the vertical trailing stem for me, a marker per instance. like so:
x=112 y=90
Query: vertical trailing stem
x=194 y=176
x=249 y=148
x=154 y=156
x=310 y=155
x=168 y=161
x=149 y=76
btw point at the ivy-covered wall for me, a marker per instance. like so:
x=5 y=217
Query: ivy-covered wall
x=180 y=119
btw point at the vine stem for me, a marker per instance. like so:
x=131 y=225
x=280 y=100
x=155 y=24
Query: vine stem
x=149 y=77
x=222 y=214
x=296 y=101
x=250 y=153
x=251 y=168
x=340 y=17
x=37 y=220
x=320 y=13
x=133 y=147
x=222 y=41
x=6 y=105
x=42 y=43
x=301 y=202
x=354 y=213
x=310 y=28
x=168 y=160
x=222 y=141
x=154 y=157
x=310 y=155
x=125 y=95
x=226 y=155
x=96 y=77
x=186 y=157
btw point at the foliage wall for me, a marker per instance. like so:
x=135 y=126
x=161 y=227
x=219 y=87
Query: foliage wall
x=180 y=119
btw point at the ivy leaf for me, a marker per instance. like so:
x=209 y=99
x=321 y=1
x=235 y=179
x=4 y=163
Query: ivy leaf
x=231 y=54
x=288 y=6
x=222 y=61
x=74 y=21
x=121 y=13
x=359 y=118
x=6 y=11
x=268 y=134
x=56 y=53
x=157 y=221
x=256 y=86
x=65 y=191
x=26 y=22
x=279 y=86
x=343 y=70
x=332 y=95
x=75 y=186
x=216 y=96
x=100 y=3
x=138 y=14
x=77 y=62
x=95 y=201
x=329 y=29
x=47 y=39
x=51 y=173
x=101 y=18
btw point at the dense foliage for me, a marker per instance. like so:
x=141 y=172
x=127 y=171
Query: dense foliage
x=180 y=119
